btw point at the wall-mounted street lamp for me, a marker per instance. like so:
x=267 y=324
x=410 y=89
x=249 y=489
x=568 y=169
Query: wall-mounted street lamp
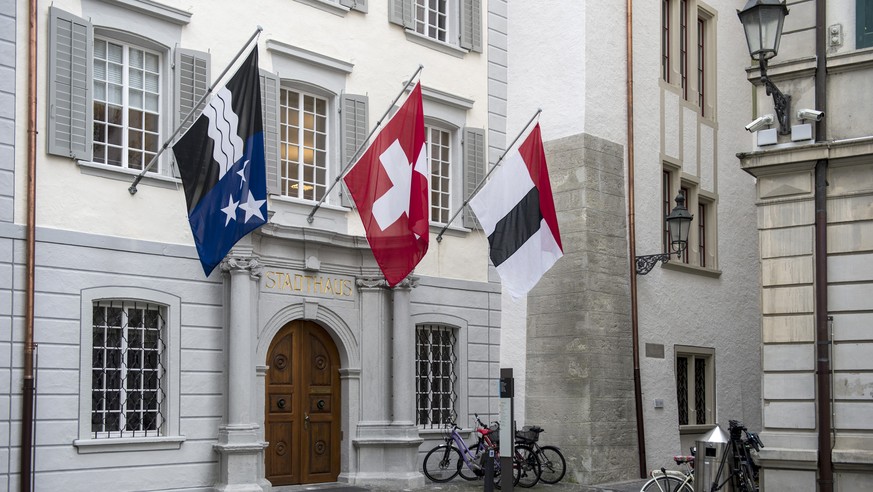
x=678 y=224
x=762 y=20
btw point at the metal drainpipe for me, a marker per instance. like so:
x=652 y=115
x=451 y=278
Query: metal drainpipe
x=28 y=389
x=632 y=248
x=822 y=338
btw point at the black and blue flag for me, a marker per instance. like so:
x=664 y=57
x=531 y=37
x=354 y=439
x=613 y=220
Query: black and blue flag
x=221 y=160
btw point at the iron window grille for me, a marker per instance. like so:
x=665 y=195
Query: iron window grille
x=127 y=380
x=436 y=376
x=691 y=389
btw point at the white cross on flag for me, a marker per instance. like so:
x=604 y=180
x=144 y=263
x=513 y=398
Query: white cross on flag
x=390 y=184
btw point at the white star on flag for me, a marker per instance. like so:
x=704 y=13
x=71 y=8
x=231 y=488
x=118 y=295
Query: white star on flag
x=230 y=210
x=252 y=207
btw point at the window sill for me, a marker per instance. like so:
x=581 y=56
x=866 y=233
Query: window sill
x=456 y=231
x=327 y=6
x=695 y=429
x=113 y=445
x=122 y=174
x=431 y=43
x=692 y=269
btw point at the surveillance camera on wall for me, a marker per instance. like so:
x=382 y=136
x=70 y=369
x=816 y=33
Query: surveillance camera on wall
x=810 y=114
x=760 y=123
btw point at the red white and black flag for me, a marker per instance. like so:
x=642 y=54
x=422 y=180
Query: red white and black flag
x=517 y=212
x=390 y=184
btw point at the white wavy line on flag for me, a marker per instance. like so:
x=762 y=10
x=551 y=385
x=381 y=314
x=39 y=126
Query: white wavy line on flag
x=223 y=125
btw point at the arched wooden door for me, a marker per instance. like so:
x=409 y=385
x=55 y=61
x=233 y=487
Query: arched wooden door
x=302 y=422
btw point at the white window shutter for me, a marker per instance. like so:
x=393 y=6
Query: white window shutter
x=71 y=40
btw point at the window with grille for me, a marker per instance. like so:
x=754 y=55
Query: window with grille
x=128 y=371
x=431 y=19
x=695 y=386
x=304 y=144
x=127 y=102
x=440 y=151
x=436 y=377
x=665 y=39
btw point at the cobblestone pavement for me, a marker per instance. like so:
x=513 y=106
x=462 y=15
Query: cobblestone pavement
x=462 y=486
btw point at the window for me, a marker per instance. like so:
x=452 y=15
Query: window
x=863 y=24
x=695 y=381
x=450 y=26
x=112 y=95
x=702 y=238
x=440 y=151
x=666 y=205
x=127 y=83
x=127 y=371
x=701 y=65
x=701 y=233
x=665 y=39
x=686 y=193
x=683 y=47
x=431 y=18
x=436 y=376
x=304 y=137
x=691 y=70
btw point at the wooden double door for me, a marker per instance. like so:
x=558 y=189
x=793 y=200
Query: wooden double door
x=302 y=422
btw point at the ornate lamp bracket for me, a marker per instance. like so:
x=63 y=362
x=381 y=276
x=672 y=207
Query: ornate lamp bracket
x=781 y=102
x=646 y=263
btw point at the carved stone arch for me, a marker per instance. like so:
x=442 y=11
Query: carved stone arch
x=333 y=324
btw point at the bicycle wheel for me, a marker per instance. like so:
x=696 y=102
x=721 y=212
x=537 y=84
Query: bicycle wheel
x=468 y=474
x=442 y=463
x=552 y=463
x=667 y=483
x=528 y=464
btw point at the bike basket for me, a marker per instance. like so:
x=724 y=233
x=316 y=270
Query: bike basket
x=528 y=434
x=494 y=434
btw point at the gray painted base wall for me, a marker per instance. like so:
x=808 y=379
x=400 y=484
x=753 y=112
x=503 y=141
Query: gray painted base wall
x=579 y=355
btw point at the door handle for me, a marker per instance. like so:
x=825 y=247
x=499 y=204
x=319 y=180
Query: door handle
x=306 y=421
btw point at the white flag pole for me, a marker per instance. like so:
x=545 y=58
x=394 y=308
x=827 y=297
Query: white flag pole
x=479 y=186
x=339 y=176
x=154 y=158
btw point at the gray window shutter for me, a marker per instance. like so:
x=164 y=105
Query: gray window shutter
x=69 y=131
x=400 y=12
x=359 y=5
x=191 y=81
x=355 y=128
x=474 y=169
x=270 y=110
x=471 y=25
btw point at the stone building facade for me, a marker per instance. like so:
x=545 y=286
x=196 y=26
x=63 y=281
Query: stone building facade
x=814 y=193
x=697 y=317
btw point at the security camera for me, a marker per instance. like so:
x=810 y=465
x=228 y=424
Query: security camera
x=760 y=123
x=810 y=114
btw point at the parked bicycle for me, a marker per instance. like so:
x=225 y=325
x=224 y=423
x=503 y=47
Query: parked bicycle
x=552 y=462
x=525 y=463
x=446 y=461
x=743 y=473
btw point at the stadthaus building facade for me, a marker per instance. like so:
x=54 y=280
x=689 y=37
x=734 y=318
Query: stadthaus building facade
x=293 y=362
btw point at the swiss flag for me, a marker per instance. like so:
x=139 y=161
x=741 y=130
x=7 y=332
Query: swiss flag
x=390 y=184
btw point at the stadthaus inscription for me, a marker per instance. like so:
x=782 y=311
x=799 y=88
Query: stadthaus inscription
x=300 y=283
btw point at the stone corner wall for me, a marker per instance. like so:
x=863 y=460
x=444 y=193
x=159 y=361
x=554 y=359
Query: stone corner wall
x=579 y=344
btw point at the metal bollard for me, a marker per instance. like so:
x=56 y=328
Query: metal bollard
x=489 y=472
